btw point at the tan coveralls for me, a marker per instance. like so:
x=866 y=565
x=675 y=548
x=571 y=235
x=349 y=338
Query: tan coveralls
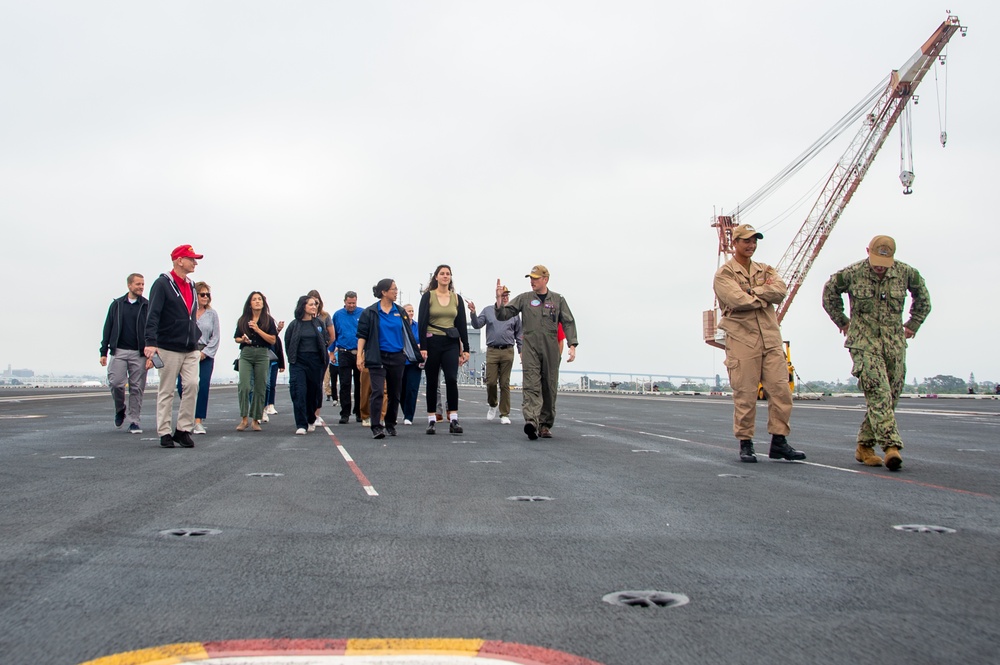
x=540 y=353
x=754 y=350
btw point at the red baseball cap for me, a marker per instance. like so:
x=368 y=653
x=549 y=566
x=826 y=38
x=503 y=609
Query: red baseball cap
x=184 y=251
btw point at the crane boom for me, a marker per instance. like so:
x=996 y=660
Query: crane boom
x=853 y=165
x=845 y=178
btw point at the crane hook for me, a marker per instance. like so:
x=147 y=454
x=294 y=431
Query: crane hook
x=907 y=178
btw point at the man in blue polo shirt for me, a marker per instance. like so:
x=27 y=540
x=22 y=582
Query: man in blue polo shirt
x=345 y=327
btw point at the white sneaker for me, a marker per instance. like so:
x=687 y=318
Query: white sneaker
x=199 y=429
x=367 y=422
x=504 y=420
x=492 y=413
x=270 y=409
x=407 y=422
x=312 y=428
x=301 y=430
x=264 y=419
x=319 y=421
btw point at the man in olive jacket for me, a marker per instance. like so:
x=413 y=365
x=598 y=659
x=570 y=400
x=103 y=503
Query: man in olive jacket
x=541 y=313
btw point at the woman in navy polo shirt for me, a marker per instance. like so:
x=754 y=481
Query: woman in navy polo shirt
x=384 y=338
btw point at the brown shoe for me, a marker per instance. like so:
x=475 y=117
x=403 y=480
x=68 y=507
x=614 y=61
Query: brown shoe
x=893 y=460
x=255 y=425
x=866 y=455
x=544 y=432
x=242 y=426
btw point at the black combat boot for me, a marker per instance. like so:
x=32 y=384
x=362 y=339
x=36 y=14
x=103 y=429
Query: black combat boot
x=781 y=450
x=747 y=453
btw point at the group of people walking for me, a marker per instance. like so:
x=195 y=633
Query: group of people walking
x=381 y=351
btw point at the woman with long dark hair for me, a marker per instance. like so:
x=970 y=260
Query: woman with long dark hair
x=385 y=342
x=444 y=343
x=255 y=332
x=306 y=340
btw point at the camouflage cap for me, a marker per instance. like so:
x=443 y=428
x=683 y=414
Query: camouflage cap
x=744 y=231
x=881 y=251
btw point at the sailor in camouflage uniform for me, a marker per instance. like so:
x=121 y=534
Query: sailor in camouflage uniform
x=876 y=338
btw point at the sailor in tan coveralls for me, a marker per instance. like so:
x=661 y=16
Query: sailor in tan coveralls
x=747 y=293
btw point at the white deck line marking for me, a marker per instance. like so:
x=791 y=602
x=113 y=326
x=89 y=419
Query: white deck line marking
x=365 y=483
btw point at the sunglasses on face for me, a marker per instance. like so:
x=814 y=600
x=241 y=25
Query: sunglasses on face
x=204 y=295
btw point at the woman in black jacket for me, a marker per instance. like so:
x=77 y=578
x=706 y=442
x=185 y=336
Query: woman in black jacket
x=444 y=343
x=385 y=341
x=306 y=340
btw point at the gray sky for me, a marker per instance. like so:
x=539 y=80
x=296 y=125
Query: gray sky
x=329 y=144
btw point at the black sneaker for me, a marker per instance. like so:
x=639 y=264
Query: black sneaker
x=378 y=433
x=167 y=441
x=183 y=439
x=343 y=420
x=781 y=450
x=454 y=427
x=747 y=453
x=119 y=418
x=390 y=430
x=134 y=429
x=430 y=427
x=531 y=431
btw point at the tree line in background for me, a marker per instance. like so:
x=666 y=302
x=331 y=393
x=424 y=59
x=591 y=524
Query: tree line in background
x=942 y=384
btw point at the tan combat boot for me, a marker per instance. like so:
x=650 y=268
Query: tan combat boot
x=866 y=455
x=893 y=460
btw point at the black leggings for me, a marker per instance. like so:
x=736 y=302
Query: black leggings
x=442 y=354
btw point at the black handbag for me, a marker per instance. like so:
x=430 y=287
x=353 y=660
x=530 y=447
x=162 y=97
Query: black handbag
x=236 y=365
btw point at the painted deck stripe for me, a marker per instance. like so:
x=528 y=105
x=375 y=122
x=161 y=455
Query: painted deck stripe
x=365 y=483
x=367 y=651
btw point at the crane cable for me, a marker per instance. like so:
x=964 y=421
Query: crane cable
x=799 y=162
x=942 y=117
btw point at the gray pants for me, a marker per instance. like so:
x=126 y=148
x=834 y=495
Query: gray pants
x=128 y=367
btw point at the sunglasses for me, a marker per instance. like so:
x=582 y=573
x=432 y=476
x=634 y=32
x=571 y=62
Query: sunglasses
x=204 y=295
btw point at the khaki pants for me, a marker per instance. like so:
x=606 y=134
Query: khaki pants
x=499 y=363
x=184 y=364
x=749 y=366
x=364 y=406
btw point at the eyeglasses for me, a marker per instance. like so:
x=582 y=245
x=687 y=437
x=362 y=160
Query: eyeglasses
x=204 y=295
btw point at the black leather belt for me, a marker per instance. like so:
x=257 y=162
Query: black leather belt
x=352 y=351
x=500 y=346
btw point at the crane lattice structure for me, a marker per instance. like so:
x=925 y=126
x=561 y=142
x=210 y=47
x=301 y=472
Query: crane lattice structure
x=891 y=98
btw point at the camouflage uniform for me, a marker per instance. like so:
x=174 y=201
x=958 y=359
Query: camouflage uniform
x=876 y=339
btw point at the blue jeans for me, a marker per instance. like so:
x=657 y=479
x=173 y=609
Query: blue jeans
x=205 y=369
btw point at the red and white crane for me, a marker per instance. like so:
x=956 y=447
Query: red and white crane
x=879 y=113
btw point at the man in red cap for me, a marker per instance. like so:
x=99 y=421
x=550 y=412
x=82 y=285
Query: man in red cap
x=172 y=344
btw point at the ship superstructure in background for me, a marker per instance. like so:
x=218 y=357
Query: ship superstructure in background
x=878 y=113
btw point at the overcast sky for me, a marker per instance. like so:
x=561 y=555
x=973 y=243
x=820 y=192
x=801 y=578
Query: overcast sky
x=326 y=145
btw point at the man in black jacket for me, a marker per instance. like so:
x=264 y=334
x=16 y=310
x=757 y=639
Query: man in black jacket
x=172 y=336
x=124 y=333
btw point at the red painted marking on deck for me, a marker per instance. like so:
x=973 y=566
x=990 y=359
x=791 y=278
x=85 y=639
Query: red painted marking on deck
x=365 y=483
